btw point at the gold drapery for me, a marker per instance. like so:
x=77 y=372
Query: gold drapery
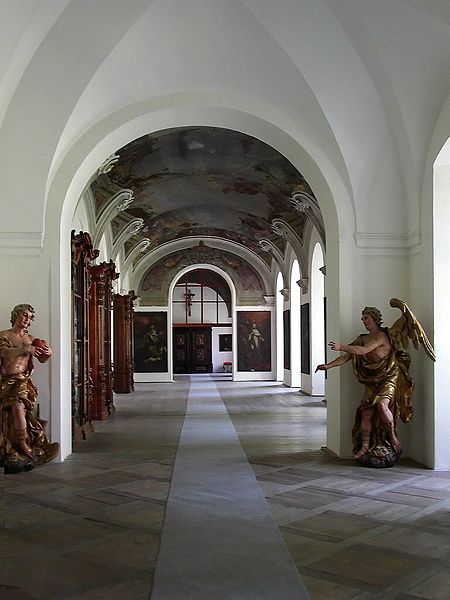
x=386 y=379
x=16 y=389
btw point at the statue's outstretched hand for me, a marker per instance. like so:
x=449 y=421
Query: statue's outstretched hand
x=335 y=346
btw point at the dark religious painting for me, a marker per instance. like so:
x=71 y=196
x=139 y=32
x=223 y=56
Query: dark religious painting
x=150 y=342
x=305 y=359
x=287 y=338
x=254 y=340
x=225 y=342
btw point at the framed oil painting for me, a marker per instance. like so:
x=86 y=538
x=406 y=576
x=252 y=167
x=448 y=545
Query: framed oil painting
x=305 y=347
x=254 y=340
x=287 y=338
x=150 y=342
x=225 y=342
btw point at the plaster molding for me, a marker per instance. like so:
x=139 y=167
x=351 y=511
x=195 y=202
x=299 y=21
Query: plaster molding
x=21 y=243
x=307 y=205
x=303 y=283
x=141 y=247
x=146 y=262
x=118 y=202
x=284 y=230
x=108 y=164
x=387 y=242
x=285 y=293
x=128 y=231
x=269 y=300
x=269 y=247
x=280 y=229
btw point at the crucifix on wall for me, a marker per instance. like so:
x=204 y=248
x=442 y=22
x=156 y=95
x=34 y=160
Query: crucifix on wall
x=188 y=299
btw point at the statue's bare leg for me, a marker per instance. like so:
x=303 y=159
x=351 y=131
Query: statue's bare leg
x=366 y=428
x=20 y=426
x=388 y=419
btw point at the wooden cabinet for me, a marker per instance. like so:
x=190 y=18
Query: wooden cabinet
x=123 y=343
x=82 y=253
x=100 y=315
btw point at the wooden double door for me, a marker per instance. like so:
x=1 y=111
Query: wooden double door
x=192 y=350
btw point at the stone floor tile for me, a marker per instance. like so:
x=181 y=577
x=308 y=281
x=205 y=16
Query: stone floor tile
x=304 y=548
x=333 y=542
x=371 y=565
x=320 y=589
x=153 y=470
x=144 y=489
x=333 y=526
x=144 y=515
x=414 y=541
x=65 y=535
x=123 y=550
x=48 y=576
x=123 y=590
x=436 y=587
x=368 y=507
x=22 y=514
x=438 y=520
x=309 y=498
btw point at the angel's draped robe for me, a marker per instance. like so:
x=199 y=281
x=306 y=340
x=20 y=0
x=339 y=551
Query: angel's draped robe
x=385 y=379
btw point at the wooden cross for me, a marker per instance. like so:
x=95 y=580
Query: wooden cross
x=188 y=300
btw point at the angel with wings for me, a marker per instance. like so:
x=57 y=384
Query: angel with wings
x=381 y=363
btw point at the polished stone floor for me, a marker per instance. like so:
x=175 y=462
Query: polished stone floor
x=91 y=527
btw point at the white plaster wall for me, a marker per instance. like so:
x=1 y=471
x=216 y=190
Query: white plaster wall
x=27 y=280
x=218 y=358
x=80 y=221
x=441 y=307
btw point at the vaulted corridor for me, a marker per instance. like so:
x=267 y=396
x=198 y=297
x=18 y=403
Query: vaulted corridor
x=208 y=488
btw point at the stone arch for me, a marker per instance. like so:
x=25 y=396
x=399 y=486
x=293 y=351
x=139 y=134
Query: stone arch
x=92 y=149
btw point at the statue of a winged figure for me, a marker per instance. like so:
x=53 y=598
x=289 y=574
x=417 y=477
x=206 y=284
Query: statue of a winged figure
x=381 y=363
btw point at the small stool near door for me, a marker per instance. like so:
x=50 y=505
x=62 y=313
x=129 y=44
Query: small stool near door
x=227 y=367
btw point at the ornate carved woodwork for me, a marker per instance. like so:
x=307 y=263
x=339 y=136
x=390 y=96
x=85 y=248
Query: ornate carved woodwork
x=82 y=253
x=100 y=315
x=192 y=350
x=123 y=342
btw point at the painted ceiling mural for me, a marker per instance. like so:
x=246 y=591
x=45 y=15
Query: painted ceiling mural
x=205 y=181
x=249 y=285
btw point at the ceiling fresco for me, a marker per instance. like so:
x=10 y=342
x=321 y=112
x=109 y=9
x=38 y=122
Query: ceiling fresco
x=205 y=181
x=248 y=283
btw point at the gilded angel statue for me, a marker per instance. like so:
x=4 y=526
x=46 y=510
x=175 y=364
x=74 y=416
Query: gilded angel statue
x=381 y=363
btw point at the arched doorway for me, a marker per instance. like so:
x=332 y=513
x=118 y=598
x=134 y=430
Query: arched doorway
x=279 y=304
x=317 y=321
x=202 y=323
x=295 y=325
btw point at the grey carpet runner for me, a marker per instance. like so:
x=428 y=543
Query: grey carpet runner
x=219 y=539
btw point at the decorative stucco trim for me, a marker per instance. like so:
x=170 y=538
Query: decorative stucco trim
x=21 y=243
x=385 y=241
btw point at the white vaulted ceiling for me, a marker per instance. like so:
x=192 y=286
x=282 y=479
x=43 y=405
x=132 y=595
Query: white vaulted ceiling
x=358 y=84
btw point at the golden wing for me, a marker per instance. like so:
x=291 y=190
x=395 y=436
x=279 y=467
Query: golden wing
x=407 y=327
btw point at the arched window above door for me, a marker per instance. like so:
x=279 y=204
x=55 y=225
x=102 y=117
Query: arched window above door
x=201 y=296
